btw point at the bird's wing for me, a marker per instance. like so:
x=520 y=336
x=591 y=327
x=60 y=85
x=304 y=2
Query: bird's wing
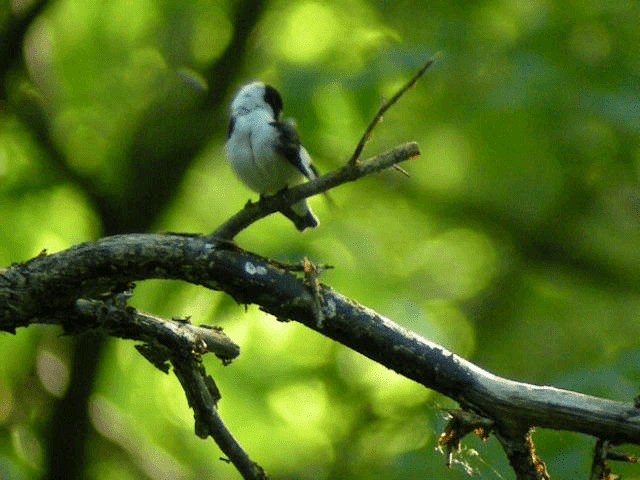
x=291 y=149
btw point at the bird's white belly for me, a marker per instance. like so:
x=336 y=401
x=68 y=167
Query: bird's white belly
x=257 y=163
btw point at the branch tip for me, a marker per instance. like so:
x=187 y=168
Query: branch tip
x=383 y=109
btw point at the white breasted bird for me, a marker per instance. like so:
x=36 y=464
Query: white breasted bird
x=265 y=152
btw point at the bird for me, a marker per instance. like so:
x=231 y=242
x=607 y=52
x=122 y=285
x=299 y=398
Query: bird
x=266 y=153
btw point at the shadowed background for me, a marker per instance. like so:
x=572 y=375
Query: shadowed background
x=514 y=243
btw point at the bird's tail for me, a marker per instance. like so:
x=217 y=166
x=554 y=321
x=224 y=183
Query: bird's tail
x=301 y=216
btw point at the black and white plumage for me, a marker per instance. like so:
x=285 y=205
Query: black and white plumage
x=265 y=152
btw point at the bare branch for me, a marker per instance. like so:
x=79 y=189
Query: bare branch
x=35 y=289
x=383 y=109
x=182 y=344
x=599 y=468
x=203 y=397
x=253 y=212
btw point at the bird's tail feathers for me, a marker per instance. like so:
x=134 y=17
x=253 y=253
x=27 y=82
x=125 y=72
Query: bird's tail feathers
x=301 y=216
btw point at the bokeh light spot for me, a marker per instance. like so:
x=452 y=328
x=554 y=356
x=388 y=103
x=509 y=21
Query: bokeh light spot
x=53 y=373
x=309 y=32
x=451 y=154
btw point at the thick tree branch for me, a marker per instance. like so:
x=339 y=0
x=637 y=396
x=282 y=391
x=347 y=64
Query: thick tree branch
x=253 y=212
x=35 y=289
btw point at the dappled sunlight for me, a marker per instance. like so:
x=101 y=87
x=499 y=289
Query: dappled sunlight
x=211 y=35
x=549 y=309
x=209 y=194
x=340 y=122
x=390 y=394
x=590 y=43
x=60 y=213
x=19 y=156
x=343 y=35
x=309 y=32
x=457 y=264
x=169 y=402
x=512 y=243
x=53 y=372
x=438 y=320
x=27 y=446
x=304 y=405
x=380 y=443
x=7 y=401
x=86 y=138
x=119 y=426
x=447 y=168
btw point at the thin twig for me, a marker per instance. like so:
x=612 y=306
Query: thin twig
x=386 y=106
x=600 y=469
x=182 y=344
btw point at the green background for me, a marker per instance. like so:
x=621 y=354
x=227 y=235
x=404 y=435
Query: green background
x=515 y=243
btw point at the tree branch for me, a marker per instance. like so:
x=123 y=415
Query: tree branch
x=350 y=172
x=126 y=322
x=522 y=455
x=33 y=290
x=203 y=397
x=253 y=212
x=182 y=344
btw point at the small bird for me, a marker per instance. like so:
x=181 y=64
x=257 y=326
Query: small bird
x=266 y=153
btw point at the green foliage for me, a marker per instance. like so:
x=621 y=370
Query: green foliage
x=514 y=243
